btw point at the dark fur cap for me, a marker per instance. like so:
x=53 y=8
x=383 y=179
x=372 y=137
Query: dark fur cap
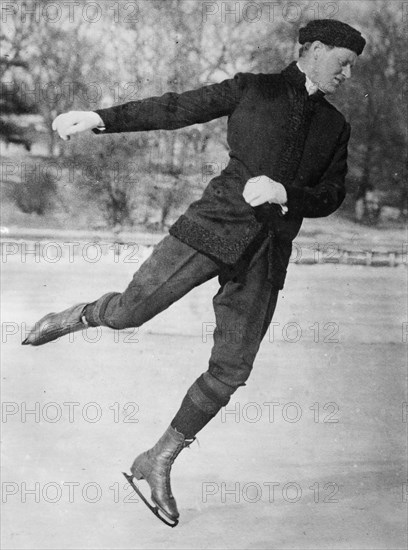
x=332 y=33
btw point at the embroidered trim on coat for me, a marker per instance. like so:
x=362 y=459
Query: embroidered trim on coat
x=208 y=242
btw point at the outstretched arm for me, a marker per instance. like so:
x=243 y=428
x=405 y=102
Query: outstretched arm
x=171 y=110
x=167 y=112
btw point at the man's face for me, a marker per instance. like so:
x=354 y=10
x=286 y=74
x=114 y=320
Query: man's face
x=331 y=67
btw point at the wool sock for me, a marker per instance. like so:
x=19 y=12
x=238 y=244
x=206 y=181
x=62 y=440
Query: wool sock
x=202 y=402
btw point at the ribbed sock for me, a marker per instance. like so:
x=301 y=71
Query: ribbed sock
x=199 y=406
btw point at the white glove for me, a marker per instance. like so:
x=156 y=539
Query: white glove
x=262 y=189
x=74 y=122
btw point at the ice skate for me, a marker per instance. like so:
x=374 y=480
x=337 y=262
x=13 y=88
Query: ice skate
x=53 y=325
x=154 y=466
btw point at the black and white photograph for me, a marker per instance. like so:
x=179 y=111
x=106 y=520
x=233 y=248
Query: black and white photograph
x=204 y=309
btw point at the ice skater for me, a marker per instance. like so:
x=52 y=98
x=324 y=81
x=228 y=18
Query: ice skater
x=288 y=160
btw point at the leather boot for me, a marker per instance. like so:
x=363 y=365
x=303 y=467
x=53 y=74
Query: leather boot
x=53 y=325
x=154 y=466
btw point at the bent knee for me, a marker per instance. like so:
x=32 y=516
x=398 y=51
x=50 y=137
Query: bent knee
x=229 y=376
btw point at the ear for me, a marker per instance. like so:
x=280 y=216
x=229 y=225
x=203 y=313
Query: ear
x=317 y=48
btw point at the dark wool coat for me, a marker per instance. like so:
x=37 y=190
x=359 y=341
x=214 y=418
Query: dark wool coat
x=274 y=129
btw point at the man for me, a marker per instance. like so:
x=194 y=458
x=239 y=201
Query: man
x=288 y=160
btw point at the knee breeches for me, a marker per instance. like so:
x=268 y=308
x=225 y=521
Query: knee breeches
x=243 y=310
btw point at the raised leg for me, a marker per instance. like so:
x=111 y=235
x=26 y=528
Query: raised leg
x=169 y=273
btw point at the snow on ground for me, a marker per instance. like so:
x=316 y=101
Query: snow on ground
x=311 y=454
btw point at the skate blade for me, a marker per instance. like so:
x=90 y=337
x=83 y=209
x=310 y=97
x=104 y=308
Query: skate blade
x=155 y=509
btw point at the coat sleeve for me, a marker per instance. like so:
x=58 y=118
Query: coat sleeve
x=171 y=110
x=327 y=196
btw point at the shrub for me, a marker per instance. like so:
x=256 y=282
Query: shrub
x=36 y=195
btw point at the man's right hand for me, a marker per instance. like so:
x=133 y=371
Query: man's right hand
x=74 y=122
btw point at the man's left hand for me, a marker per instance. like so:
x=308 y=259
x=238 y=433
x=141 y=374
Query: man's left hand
x=262 y=189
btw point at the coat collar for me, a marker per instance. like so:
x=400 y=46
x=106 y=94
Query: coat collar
x=297 y=78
